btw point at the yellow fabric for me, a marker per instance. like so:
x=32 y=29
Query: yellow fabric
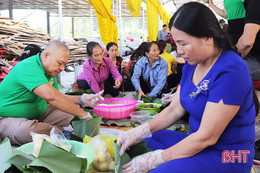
x=134 y=6
x=170 y=61
x=164 y=15
x=152 y=20
x=153 y=8
x=106 y=21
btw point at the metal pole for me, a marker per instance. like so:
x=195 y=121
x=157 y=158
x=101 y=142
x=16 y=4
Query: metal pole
x=27 y=16
x=143 y=24
x=72 y=27
x=158 y=23
x=10 y=10
x=120 y=28
x=91 y=21
x=48 y=22
x=60 y=20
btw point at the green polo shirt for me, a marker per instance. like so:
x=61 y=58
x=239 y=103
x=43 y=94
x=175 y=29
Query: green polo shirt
x=16 y=91
x=235 y=9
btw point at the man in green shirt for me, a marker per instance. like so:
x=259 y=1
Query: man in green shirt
x=25 y=91
x=234 y=11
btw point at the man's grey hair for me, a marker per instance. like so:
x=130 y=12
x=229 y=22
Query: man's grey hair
x=57 y=44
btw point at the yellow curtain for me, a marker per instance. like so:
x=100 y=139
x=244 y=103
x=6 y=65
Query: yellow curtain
x=152 y=20
x=106 y=21
x=153 y=8
x=164 y=15
x=134 y=6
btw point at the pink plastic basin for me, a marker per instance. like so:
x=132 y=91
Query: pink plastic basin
x=115 y=108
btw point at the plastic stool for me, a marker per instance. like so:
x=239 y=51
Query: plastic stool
x=256 y=84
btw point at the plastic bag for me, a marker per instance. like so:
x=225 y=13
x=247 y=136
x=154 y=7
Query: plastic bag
x=109 y=139
x=166 y=98
x=59 y=139
x=102 y=160
x=56 y=137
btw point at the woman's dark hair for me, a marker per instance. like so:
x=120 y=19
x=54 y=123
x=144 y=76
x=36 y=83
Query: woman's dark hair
x=90 y=47
x=139 y=52
x=29 y=50
x=199 y=21
x=148 y=46
x=161 y=44
x=110 y=45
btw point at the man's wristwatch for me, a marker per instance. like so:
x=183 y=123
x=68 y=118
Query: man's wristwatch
x=81 y=102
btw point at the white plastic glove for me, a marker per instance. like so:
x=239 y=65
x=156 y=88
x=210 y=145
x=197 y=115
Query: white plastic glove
x=91 y=99
x=129 y=137
x=167 y=98
x=144 y=163
x=87 y=117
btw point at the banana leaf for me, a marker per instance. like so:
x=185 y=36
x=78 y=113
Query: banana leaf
x=147 y=99
x=157 y=100
x=21 y=159
x=135 y=150
x=121 y=122
x=107 y=96
x=57 y=160
x=6 y=153
x=50 y=159
x=81 y=91
x=90 y=127
x=184 y=128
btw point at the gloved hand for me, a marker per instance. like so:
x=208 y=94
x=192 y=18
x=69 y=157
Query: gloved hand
x=87 y=117
x=129 y=137
x=144 y=163
x=91 y=99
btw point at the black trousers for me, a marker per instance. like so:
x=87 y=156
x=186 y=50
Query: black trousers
x=146 y=88
x=108 y=86
x=127 y=85
x=235 y=30
x=174 y=79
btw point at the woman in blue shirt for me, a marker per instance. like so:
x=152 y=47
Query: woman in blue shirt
x=150 y=72
x=216 y=89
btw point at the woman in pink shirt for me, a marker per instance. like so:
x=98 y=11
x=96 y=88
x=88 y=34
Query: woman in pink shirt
x=96 y=72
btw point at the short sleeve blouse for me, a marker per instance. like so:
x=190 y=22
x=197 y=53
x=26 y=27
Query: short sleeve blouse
x=228 y=80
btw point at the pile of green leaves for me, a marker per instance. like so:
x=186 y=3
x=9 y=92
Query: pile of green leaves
x=147 y=99
x=81 y=91
x=50 y=159
x=184 y=128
